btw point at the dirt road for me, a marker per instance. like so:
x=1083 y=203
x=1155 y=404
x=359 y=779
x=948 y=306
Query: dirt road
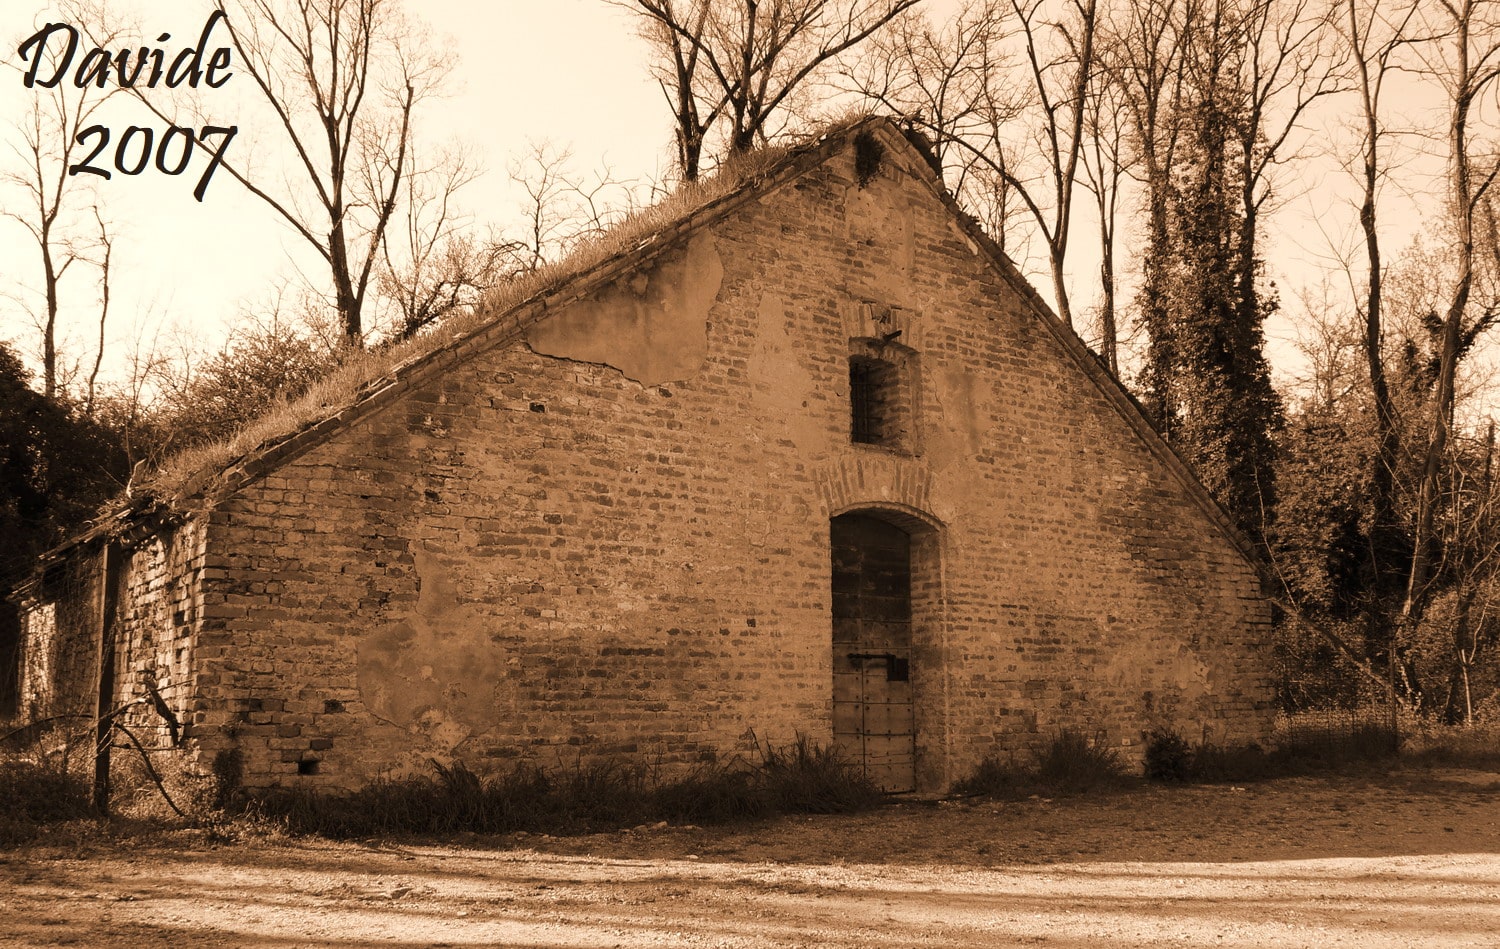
x=1407 y=859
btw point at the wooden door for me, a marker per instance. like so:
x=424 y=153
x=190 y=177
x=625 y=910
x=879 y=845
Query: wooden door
x=873 y=722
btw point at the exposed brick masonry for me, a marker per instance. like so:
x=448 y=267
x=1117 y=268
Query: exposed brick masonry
x=541 y=557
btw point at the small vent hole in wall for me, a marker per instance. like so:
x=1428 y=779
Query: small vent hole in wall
x=307 y=767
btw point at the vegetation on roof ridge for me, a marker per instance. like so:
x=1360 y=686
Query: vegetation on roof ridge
x=359 y=369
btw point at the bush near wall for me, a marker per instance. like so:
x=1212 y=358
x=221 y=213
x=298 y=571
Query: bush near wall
x=1070 y=763
x=36 y=793
x=799 y=778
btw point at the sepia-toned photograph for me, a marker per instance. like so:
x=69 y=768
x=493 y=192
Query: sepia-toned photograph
x=868 y=474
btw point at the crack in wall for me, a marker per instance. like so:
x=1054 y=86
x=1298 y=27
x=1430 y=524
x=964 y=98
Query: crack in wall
x=653 y=327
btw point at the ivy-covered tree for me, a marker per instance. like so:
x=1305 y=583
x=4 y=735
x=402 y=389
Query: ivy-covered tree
x=56 y=468
x=1203 y=304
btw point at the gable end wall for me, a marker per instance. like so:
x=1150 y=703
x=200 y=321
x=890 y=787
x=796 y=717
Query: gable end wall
x=549 y=557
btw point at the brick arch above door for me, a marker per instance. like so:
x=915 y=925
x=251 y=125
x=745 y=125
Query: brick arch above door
x=900 y=487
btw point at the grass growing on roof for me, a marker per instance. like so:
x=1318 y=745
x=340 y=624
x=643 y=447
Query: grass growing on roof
x=361 y=368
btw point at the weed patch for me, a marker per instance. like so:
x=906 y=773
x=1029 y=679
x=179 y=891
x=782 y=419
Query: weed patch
x=1429 y=744
x=36 y=794
x=1070 y=763
x=1171 y=758
x=800 y=778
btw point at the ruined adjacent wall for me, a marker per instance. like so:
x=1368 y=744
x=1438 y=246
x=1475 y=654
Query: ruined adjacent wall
x=611 y=536
x=148 y=624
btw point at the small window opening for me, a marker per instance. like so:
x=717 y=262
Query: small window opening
x=874 y=391
x=308 y=766
x=864 y=399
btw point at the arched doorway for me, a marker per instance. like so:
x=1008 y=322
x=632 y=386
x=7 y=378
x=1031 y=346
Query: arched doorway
x=874 y=723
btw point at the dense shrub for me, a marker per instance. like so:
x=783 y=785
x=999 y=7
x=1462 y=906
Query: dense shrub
x=41 y=793
x=1168 y=757
x=1074 y=764
x=1426 y=742
x=57 y=465
x=1070 y=763
x=801 y=778
x=1171 y=758
x=1247 y=762
x=35 y=794
x=1366 y=741
x=997 y=777
x=804 y=778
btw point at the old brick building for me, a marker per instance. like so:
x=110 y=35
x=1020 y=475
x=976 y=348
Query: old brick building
x=810 y=459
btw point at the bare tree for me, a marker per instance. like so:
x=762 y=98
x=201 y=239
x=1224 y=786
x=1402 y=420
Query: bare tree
x=1374 y=33
x=559 y=207
x=431 y=263
x=434 y=265
x=1014 y=141
x=1465 y=61
x=1059 y=54
x=1288 y=62
x=342 y=82
x=1106 y=163
x=736 y=63
x=106 y=247
x=952 y=82
x=947 y=78
x=1427 y=540
x=146 y=370
x=546 y=222
x=1141 y=50
x=55 y=201
x=344 y=78
x=1330 y=351
x=677 y=72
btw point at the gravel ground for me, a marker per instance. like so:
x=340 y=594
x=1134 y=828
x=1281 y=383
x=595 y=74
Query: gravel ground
x=1408 y=858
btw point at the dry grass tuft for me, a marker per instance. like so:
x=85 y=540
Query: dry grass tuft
x=1070 y=763
x=801 y=778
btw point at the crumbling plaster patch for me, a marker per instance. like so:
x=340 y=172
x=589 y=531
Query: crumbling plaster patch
x=959 y=430
x=436 y=670
x=783 y=385
x=652 y=327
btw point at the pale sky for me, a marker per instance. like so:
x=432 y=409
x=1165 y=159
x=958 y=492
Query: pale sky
x=568 y=71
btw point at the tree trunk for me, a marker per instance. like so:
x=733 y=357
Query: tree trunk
x=345 y=298
x=1108 y=331
x=49 y=334
x=1440 y=421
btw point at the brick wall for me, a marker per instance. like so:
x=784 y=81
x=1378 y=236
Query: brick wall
x=543 y=557
x=59 y=649
x=160 y=608
x=156 y=605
